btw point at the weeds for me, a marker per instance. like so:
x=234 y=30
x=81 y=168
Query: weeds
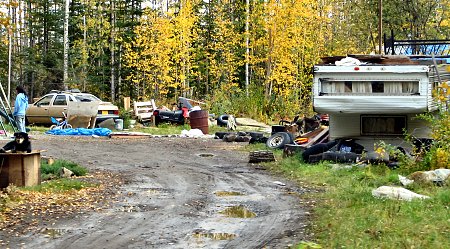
x=49 y=171
x=347 y=215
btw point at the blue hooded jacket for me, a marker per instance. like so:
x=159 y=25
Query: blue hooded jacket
x=20 y=105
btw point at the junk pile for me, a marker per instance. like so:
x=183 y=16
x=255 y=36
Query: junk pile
x=302 y=132
x=344 y=150
x=241 y=136
x=299 y=134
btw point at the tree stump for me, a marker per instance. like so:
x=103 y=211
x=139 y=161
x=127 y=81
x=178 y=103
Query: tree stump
x=292 y=150
x=261 y=156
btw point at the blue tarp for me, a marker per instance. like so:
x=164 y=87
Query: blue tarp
x=80 y=132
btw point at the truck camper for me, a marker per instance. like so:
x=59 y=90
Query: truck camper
x=373 y=98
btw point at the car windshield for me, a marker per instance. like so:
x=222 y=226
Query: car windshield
x=86 y=98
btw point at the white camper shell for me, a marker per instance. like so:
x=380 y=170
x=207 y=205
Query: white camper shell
x=377 y=101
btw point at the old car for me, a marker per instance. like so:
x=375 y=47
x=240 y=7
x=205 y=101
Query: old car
x=55 y=103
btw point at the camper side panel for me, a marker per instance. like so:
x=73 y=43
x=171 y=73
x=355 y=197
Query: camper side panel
x=350 y=126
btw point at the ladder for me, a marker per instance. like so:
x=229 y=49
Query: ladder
x=6 y=112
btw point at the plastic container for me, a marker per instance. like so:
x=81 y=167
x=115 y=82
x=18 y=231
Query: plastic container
x=199 y=120
x=119 y=124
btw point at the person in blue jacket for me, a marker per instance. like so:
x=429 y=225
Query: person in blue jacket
x=20 y=107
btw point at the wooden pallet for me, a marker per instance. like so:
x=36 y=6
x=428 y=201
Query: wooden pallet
x=261 y=156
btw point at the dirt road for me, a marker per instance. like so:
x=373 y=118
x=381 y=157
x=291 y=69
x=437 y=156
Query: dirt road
x=179 y=193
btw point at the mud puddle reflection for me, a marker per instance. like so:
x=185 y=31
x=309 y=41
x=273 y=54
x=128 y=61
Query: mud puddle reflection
x=228 y=193
x=238 y=212
x=215 y=236
x=53 y=233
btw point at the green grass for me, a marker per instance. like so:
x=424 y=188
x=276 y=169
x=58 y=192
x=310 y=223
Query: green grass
x=40 y=129
x=48 y=171
x=171 y=129
x=347 y=216
x=59 y=185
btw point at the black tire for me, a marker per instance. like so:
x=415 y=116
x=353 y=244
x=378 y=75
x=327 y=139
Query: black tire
x=278 y=140
x=222 y=120
x=221 y=134
x=340 y=157
x=254 y=134
x=255 y=140
x=242 y=133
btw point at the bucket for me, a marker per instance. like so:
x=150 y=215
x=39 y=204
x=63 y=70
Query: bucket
x=199 y=120
x=119 y=124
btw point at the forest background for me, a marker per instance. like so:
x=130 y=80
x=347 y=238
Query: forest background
x=252 y=58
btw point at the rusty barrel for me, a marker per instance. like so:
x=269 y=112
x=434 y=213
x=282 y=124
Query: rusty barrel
x=199 y=120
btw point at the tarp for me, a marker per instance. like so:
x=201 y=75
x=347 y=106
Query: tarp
x=80 y=132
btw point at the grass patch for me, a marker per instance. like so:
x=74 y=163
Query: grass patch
x=163 y=129
x=171 y=129
x=49 y=171
x=39 y=129
x=59 y=186
x=347 y=216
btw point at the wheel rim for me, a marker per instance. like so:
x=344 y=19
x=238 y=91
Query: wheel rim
x=276 y=141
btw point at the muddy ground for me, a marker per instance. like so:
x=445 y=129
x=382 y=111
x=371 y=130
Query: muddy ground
x=176 y=193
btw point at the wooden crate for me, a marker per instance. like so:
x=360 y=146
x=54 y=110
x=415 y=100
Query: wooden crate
x=20 y=169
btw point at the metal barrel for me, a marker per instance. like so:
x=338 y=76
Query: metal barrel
x=199 y=120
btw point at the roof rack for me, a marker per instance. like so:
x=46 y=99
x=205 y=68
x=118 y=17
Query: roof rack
x=68 y=91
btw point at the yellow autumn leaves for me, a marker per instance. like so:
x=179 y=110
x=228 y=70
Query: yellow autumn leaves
x=184 y=49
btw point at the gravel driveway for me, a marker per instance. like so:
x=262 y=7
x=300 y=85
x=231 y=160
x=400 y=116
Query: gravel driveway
x=178 y=193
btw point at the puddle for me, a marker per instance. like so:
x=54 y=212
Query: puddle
x=53 y=233
x=238 y=212
x=206 y=155
x=228 y=193
x=215 y=236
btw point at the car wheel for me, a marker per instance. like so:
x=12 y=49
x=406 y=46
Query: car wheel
x=278 y=140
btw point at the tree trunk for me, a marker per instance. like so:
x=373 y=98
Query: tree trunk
x=113 y=21
x=66 y=44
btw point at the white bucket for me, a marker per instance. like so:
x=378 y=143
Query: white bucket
x=119 y=124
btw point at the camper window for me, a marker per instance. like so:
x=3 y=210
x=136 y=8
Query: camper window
x=346 y=87
x=382 y=125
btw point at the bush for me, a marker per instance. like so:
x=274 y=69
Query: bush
x=126 y=117
x=257 y=105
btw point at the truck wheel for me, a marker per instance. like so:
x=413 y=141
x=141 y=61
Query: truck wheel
x=278 y=140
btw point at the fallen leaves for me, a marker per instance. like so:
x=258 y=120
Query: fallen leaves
x=26 y=210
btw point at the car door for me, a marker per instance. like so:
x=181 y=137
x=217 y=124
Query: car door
x=58 y=106
x=38 y=112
